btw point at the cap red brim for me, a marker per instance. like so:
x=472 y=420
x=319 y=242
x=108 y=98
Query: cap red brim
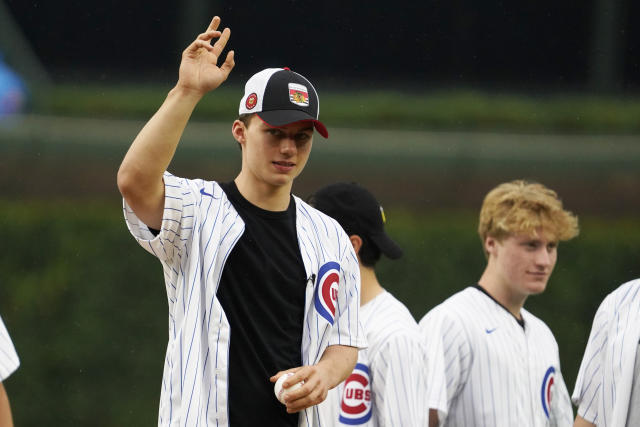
x=280 y=118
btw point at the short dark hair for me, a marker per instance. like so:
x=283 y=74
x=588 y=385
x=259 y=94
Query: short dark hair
x=246 y=118
x=369 y=253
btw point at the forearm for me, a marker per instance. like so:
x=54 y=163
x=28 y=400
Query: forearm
x=5 y=410
x=154 y=147
x=338 y=362
x=140 y=174
x=581 y=422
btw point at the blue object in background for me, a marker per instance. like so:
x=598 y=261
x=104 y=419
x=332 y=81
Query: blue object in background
x=13 y=91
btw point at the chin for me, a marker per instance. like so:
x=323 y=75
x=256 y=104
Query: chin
x=535 y=288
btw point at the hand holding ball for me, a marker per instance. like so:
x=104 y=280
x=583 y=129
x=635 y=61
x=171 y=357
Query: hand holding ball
x=279 y=391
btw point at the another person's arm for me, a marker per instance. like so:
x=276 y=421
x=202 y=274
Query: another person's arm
x=5 y=409
x=140 y=174
x=581 y=422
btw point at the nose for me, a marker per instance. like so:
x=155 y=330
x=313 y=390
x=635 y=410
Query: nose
x=288 y=145
x=544 y=257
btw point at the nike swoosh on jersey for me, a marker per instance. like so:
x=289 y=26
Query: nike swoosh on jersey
x=488 y=331
x=205 y=193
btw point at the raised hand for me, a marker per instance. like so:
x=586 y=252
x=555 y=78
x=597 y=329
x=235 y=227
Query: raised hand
x=199 y=70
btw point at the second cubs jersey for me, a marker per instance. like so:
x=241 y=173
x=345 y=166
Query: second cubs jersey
x=496 y=372
x=388 y=385
x=9 y=361
x=609 y=376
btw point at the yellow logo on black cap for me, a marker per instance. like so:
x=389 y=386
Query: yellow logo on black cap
x=384 y=219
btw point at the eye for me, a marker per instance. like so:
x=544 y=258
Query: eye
x=552 y=246
x=302 y=137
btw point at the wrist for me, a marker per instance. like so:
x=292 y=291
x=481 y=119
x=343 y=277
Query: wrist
x=181 y=91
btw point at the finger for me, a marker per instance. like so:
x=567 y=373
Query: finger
x=222 y=41
x=215 y=22
x=299 y=376
x=274 y=378
x=228 y=64
x=208 y=35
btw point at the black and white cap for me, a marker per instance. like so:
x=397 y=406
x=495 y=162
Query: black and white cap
x=280 y=97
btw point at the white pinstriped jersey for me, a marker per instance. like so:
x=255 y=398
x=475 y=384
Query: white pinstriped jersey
x=9 y=361
x=496 y=373
x=608 y=377
x=199 y=229
x=388 y=385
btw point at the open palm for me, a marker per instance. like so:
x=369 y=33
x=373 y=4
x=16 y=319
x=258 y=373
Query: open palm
x=199 y=70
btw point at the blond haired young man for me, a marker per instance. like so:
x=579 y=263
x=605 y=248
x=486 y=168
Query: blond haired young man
x=499 y=364
x=258 y=282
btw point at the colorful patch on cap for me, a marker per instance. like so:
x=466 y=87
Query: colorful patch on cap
x=546 y=391
x=356 y=407
x=326 y=292
x=252 y=101
x=298 y=94
x=384 y=218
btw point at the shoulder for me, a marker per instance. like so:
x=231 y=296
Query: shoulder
x=456 y=307
x=313 y=216
x=390 y=325
x=319 y=226
x=627 y=294
x=387 y=313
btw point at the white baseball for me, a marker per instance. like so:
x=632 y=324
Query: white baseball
x=279 y=391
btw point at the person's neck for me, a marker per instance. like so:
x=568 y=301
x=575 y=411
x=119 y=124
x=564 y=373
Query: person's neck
x=263 y=195
x=501 y=292
x=370 y=287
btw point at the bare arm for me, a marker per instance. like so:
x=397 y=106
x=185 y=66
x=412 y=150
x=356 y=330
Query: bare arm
x=336 y=364
x=581 y=422
x=433 y=418
x=140 y=174
x=5 y=410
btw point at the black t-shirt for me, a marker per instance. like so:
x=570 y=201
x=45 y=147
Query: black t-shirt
x=262 y=292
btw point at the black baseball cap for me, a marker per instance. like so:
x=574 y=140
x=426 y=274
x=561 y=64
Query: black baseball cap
x=358 y=212
x=280 y=97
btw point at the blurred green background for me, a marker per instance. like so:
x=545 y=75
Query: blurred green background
x=86 y=306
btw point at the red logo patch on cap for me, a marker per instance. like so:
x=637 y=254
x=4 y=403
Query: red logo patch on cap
x=298 y=94
x=251 y=102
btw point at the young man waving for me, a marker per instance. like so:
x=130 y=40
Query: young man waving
x=258 y=282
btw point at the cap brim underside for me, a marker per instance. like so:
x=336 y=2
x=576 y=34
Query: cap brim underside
x=279 y=118
x=386 y=245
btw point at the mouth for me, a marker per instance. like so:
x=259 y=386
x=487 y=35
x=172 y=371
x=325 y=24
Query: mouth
x=283 y=165
x=538 y=274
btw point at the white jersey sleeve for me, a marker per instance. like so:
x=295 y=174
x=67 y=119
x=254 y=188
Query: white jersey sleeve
x=449 y=358
x=178 y=219
x=9 y=361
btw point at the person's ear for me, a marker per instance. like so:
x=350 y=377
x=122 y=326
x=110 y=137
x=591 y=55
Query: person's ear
x=490 y=245
x=239 y=131
x=356 y=242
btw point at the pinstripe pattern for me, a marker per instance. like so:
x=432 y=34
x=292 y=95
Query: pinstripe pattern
x=199 y=229
x=396 y=360
x=604 y=385
x=494 y=370
x=9 y=361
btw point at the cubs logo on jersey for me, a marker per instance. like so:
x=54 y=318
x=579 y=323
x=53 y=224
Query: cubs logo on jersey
x=326 y=293
x=546 y=391
x=356 y=407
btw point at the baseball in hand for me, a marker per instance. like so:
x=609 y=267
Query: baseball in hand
x=279 y=391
